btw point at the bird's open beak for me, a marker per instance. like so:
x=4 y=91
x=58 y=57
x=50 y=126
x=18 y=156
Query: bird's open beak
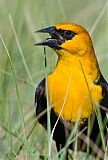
x=54 y=41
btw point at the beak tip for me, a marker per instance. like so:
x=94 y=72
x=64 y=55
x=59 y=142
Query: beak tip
x=45 y=30
x=37 y=31
x=37 y=44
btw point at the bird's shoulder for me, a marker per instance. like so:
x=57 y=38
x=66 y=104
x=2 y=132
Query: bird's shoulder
x=40 y=90
x=40 y=98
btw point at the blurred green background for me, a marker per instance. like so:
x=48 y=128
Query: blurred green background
x=22 y=65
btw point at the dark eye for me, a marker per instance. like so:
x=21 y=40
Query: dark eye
x=69 y=34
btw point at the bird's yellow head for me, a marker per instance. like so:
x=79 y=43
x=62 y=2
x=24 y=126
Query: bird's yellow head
x=67 y=38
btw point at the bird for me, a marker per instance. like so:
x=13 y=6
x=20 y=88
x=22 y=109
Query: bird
x=77 y=90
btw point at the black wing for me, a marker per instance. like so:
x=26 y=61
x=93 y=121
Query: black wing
x=60 y=134
x=41 y=105
x=104 y=84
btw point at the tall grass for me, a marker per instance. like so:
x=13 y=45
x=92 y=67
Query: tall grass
x=22 y=65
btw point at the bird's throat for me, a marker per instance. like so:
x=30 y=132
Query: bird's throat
x=72 y=91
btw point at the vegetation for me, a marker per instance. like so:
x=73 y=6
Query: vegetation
x=22 y=66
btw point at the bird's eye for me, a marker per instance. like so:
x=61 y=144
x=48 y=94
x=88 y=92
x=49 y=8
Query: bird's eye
x=69 y=34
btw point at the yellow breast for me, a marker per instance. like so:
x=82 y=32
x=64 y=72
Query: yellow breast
x=72 y=92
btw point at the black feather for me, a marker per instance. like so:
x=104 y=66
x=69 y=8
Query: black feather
x=60 y=134
x=104 y=85
x=41 y=105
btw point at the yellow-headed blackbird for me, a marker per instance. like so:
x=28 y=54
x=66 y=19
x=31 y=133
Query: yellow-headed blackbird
x=76 y=88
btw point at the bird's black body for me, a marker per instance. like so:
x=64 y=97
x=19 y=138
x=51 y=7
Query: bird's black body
x=60 y=133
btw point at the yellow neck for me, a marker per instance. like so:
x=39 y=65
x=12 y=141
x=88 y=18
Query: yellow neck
x=68 y=86
x=72 y=63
